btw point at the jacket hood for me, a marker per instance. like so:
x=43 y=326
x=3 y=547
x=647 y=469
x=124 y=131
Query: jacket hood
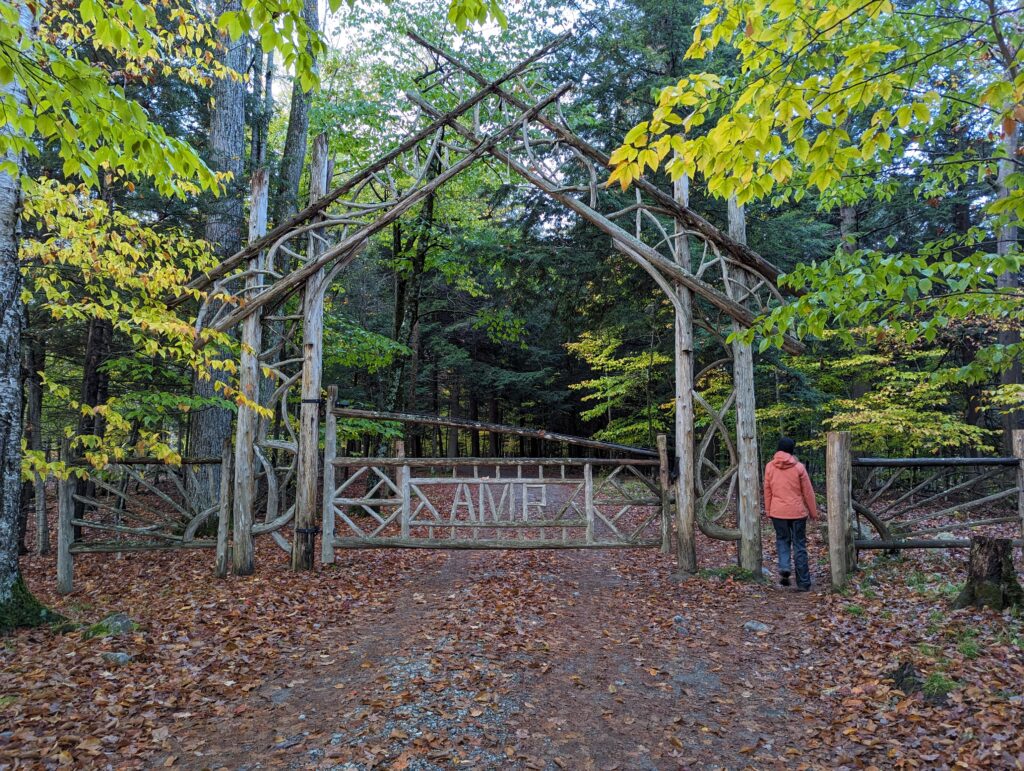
x=784 y=460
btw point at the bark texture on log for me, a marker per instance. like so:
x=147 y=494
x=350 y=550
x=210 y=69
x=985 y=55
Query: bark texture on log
x=685 y=440
x=991 y=579
x=249 y=379
x=748 y=513
x=307 y=468
x=838 y=473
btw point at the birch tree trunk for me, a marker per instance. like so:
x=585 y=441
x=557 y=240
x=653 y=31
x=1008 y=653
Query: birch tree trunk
x=749 y=472
x=293 y=157
x=211 y=425
x=17 y=606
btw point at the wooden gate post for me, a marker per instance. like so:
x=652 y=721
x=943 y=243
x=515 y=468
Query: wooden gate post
x=685 y=443
x=666 y=509
x=838 y=476
x=1018 y=452
x=588 y=499
x=65 y=530
x=749 y=462
x=307 y=462
x=225 y=511
x=247 y=424
x=330 y=453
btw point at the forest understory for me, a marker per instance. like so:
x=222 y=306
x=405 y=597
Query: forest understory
x=537 y=660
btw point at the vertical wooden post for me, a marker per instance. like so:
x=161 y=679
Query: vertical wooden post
x=666 y=509
x=327 y=496
x=838 y=474
x=404 y=490
x=1018 y=452
x=588 y=499
x=749 y=471
x=65 y=530
x=42 y=525
x=308 y=460
x=224 y=512
x=686 y=487
x=247 y=424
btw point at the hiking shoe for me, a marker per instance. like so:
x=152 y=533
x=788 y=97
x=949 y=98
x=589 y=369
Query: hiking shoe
x=784 y=578
x=803 y=588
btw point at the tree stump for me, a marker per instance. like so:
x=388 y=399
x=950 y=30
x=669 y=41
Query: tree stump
x=991 y=578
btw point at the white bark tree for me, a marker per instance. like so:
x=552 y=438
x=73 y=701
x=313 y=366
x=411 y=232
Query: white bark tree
x=17 y=607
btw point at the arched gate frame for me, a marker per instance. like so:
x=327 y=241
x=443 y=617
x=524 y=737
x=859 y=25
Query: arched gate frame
x=711 y=278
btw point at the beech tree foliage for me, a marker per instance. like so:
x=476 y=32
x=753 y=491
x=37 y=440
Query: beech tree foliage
x=854 y=100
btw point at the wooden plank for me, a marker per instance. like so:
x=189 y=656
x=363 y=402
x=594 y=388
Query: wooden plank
x=224 y=513
x=327 y=505
x=939 y=543
x=446 y=543
x=497 y=462
x=228 y=264
x=924 y=462
x=502 y=525
x=495 y=428
x=588 y=500
x=839 y=495
x=367 y=501
x=307 y=469
x=247 y=423
x=123 y=546
x=185 y=461
x=962 y=525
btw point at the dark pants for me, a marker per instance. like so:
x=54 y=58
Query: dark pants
x=791 y=538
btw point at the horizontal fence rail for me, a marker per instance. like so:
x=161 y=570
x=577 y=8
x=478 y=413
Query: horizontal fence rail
x=920 y=503
x=929 y=462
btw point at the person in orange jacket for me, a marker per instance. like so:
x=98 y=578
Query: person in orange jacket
x=789 y=501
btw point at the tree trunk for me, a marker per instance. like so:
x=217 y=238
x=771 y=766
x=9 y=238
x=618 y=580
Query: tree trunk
x=35 y=363
x=263 y=110
x=211 y=426
x=1006 y=243
x=991 y=579
x=493 y=438
x=293 y=157
x=474 y=436
x=453 y=411
x=17 y=606
x=685 y=441
x=749 y=495
x=95 y=386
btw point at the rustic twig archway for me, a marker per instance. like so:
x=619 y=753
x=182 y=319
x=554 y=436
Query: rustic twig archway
x=710 y=277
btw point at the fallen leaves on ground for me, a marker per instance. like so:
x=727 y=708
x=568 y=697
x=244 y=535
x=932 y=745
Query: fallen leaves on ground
x=544 y=659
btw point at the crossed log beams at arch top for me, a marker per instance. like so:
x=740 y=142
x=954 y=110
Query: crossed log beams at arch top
x=721 y=251
x=281 y=286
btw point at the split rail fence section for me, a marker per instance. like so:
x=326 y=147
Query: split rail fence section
x=917 y=503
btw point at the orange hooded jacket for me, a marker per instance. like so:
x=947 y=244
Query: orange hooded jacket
x=787 y=489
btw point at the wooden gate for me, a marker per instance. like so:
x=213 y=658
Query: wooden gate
x=492 y=503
